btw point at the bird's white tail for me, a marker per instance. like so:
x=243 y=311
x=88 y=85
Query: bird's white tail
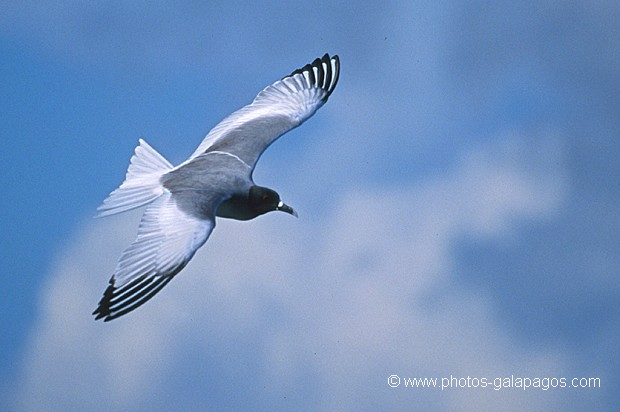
x=142 y=182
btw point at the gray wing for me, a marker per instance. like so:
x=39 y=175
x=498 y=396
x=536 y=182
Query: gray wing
x=167 y=239
x=172 y=229
x=277 y=109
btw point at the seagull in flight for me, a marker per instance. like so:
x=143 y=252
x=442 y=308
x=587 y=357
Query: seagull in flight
x=216 y=180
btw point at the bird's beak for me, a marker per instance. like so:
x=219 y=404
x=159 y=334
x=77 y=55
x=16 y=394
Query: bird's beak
x=286 y=208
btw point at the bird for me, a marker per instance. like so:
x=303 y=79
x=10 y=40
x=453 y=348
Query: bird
x=182 y=202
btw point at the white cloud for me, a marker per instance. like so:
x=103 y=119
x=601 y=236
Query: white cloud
x=327 y=308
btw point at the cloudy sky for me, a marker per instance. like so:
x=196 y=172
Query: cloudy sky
x=458 y=200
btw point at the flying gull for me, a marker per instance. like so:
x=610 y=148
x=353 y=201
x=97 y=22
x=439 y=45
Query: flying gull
x=216 y=180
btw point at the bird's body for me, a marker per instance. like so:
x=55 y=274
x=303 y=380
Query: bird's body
x=216 y=180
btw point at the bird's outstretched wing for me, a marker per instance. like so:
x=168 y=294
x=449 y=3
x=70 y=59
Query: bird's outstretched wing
x=167 y=239
x=277 y=109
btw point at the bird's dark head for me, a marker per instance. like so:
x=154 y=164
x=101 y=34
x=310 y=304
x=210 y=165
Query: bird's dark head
x=263 y=200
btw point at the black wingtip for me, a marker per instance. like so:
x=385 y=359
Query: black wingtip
x=327 y=73
x=103 y=308
x=336 y=73
x=117 y=302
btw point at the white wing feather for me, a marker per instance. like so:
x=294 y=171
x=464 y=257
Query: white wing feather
x=167 y=240
x=289 y=101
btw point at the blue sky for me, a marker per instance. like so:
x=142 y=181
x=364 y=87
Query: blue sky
x=457 y=197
